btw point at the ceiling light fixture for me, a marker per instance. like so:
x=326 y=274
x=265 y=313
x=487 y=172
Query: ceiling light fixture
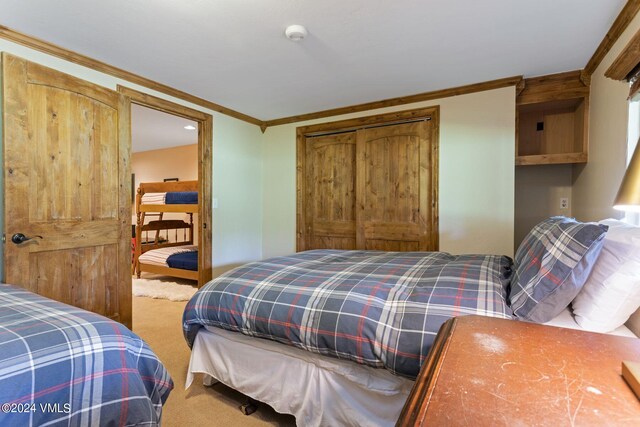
x=189 y=127
x=295 y=32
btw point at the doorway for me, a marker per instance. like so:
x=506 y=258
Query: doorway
x=141 y=103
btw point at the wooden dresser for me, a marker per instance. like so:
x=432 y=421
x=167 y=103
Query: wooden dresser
x=488 y=372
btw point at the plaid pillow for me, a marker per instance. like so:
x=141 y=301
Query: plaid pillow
x=552 y=264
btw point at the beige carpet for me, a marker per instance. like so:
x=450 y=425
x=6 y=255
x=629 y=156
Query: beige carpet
x=158 y=322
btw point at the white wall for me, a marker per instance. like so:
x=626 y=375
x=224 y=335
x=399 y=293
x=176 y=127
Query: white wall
x=596 y=183
x=237 y=232
x=477 y=155
x=237 y=174
x=538 y=190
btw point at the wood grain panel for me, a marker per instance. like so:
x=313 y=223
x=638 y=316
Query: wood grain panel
x=392 y=245
x=81 y=178
x=376 y=120
x=67 y=185
x=334 y=228
x=163 y=105
x=108 y=188
x=17 y=167
x=581 y=128
x=553 y=87
x=39 y=75
x=529 y=137
x=51 y=273
x=626 y=61
x=552 y=159
x=69 y=234
x=393 y=186
x=330 y=186
x=484 y=371
x=559 y=133
x=205 y=205
x=332 y=242
x=60 y=145
x=173 y=272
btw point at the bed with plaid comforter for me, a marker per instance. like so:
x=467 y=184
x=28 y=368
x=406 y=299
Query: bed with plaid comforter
x=381 y=309
x=61 y=365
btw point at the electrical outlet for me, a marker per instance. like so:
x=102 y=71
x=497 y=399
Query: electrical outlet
x=564 y=203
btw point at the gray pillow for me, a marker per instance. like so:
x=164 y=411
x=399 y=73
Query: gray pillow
x=551 y=266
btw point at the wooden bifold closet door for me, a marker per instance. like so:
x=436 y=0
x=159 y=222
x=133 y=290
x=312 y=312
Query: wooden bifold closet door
x=373 y=187
x=330 y=191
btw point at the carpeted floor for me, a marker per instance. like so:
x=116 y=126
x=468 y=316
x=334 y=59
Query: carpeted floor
x=164 y=289
x=158 y=322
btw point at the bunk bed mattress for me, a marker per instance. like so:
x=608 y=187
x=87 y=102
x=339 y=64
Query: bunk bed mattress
x=381 y=309
x=153 y=198
x=66 y=366
x=170 y=198
x=160 y=256
x=184 y=261
x=181 y=198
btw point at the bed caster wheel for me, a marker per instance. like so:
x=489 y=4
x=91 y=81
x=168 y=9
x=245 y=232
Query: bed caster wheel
x=209 y=381
x=250 y=407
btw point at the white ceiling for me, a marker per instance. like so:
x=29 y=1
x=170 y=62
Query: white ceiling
x=153 y=130
x=234 y=53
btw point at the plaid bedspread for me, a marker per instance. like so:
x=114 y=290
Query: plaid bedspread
x=382 y=309
x=63 y=366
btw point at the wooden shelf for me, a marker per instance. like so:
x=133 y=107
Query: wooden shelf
x=551 y=159
x=552 y=121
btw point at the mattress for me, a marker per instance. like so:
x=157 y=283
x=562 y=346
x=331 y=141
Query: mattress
x=317 y=390
x=381 y=309
x=170 y=198
x=184 y=261
x=159 y=256
x=153 y=199
x=181 y=198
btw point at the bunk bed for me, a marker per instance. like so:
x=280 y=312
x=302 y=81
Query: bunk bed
x=166 y=246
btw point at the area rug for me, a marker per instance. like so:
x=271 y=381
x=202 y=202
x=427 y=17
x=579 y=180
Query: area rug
x=162 y=289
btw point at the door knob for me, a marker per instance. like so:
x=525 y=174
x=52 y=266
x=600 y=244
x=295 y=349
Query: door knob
x=21 y=238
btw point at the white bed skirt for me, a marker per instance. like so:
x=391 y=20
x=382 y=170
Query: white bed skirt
x=317 y=390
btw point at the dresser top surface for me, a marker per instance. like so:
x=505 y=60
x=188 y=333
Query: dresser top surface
x=504 y=372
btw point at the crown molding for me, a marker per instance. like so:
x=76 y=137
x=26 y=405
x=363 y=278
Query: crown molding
x=621 y=23
x=392 y=102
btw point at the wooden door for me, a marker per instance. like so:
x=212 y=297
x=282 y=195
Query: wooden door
x=67 y=186
x=395 y=188
x=331 y=177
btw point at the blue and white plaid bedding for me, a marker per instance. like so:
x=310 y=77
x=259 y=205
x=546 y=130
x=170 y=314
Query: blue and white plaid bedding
x=551 y=265
x=381 y=309
x=64 y=366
